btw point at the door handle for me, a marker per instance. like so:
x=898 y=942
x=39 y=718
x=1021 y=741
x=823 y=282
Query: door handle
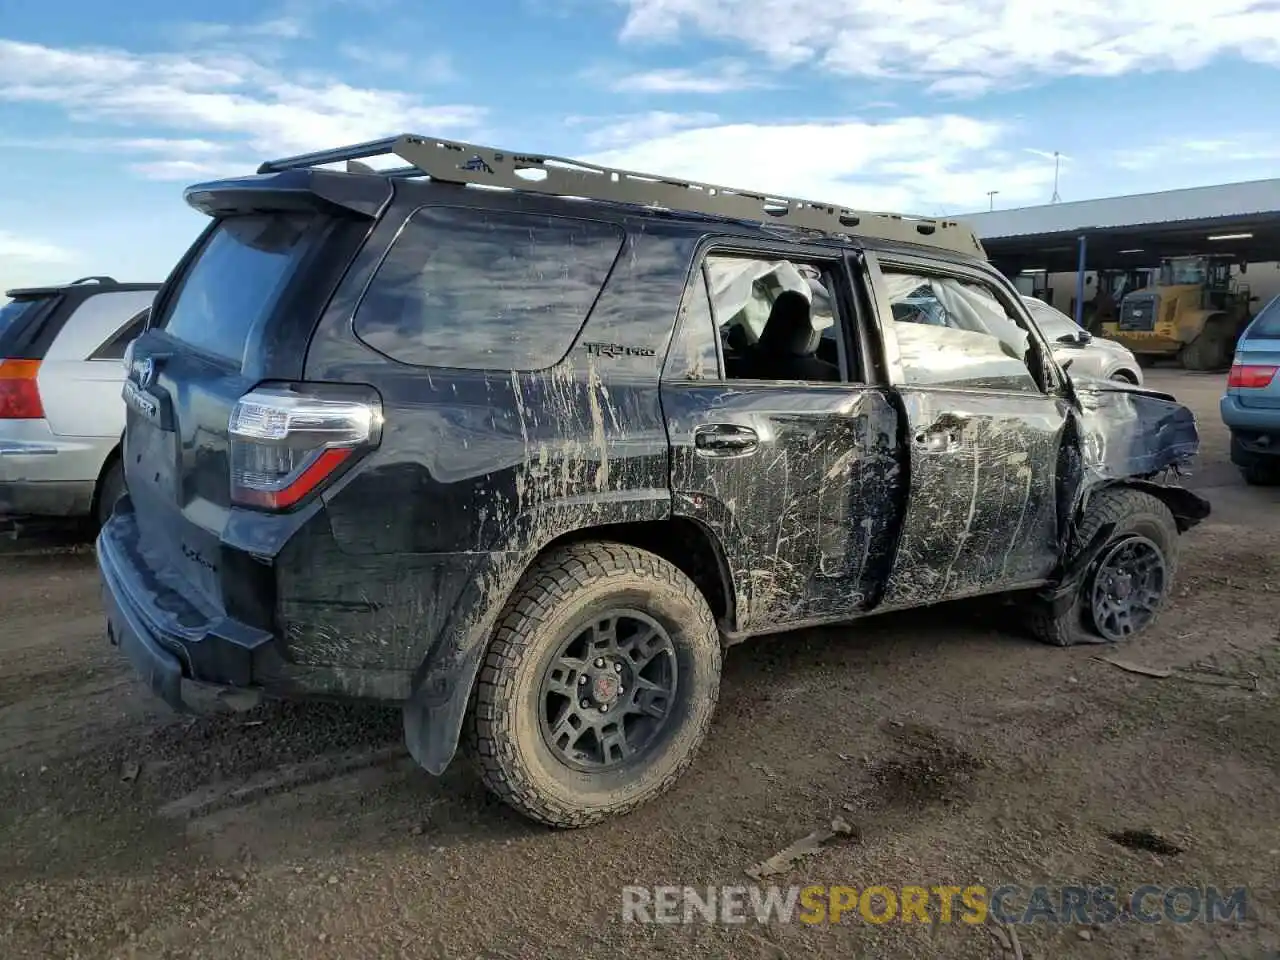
x=725 y=440
x=938 y=441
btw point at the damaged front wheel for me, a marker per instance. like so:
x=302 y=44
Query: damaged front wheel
x=1121 y=591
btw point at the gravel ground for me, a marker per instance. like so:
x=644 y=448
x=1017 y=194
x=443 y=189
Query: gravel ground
x=960 y=755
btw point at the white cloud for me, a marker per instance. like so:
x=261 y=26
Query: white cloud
x=32 y=250
x=1218 y=153
x=968 y=48
x=722 y=77
x=432 y=68
x=181 y=158
x=921 y=165
x=278 y=28
x=607 y=133
x=238 y=105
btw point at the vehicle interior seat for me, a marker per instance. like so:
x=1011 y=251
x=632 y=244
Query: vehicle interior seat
x=737 y=351
x=788 y=344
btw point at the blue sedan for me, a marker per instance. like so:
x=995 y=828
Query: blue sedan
x=1251 y=405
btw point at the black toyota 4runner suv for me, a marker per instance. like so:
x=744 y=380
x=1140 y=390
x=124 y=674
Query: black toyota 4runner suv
x=525 y=460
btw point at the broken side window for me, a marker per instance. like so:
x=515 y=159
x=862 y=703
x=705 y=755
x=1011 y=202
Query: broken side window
x=776 y=318
x=957 y=333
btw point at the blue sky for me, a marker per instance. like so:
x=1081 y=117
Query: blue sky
x=106 y=113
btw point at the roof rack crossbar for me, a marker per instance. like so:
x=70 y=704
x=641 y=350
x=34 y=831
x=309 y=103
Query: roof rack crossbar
x=457 y=162
x=356 y=151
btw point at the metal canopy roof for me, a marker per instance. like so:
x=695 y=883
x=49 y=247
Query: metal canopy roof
x=1173 y=223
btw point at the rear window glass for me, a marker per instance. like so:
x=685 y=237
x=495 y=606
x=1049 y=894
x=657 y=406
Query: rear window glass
x=114 y=348
x=486 y=290
x=1265 y=326
x=11 y=311
x=236 y=280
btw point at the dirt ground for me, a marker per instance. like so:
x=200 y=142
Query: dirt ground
x=961 y=755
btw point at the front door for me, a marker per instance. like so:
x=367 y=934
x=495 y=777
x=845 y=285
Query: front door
x=796 y=474
x=985 y=435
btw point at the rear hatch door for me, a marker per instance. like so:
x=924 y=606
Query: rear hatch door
x=1257 y=352
x=208 y=344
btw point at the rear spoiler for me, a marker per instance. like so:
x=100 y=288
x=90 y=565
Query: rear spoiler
x=291 y=190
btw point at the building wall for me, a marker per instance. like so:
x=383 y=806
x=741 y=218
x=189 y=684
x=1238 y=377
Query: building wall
x=1263 y=280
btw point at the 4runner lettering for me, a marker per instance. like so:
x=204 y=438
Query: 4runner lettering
x=374 y=416
x=618 y=350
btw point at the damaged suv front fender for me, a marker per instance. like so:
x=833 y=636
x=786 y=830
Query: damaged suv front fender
x=1129 y=431
x=1134 y=437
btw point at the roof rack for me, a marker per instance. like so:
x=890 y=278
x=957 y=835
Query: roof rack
x=455 y=162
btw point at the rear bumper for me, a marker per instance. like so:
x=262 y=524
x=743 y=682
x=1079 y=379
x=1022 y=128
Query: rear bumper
x=44 y=475
x=196 y=663
x=181 y=662
x=1254 y=419
x=50 y=498
x=1255 y=432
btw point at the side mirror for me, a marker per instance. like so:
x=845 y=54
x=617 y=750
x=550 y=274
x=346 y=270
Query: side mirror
x=1069 y=338
x=1085 y=338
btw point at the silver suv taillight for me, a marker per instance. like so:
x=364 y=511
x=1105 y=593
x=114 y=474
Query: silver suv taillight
x=286 y=441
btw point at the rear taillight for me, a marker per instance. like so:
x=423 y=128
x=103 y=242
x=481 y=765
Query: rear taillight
x=19 y=392
x=1250 y=376
x=287 y=442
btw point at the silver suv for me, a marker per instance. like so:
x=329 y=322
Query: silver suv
x=61 y=414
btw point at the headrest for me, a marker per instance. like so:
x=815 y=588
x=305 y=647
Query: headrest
x=789 y=329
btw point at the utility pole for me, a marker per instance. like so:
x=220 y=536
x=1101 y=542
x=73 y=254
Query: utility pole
x=991 y=199
x=1056 y=198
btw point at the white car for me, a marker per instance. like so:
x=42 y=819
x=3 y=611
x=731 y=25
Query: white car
x=61 y=412
x=1088 y=355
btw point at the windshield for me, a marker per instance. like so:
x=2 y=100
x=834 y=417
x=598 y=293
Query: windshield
x=1266 y=325
x=1053 y=323
x=1186 y=270
x=236 y=280
x=11 y=311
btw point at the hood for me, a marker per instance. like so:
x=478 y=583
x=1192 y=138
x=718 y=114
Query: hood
x=1132 y=431
x=1111 y=346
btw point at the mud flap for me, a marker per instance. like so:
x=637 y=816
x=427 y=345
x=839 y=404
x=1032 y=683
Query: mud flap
x=1061 y=592
x=434 y=713
x=1188 y=508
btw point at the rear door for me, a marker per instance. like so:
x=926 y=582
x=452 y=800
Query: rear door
x=1255 y=375
x=797 y=477
x=209 y=342
x=985 y=433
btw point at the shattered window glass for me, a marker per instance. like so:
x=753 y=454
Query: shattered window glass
x=747 y=291
x=957 y=333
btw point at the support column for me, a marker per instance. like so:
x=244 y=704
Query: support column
x=1080 y=271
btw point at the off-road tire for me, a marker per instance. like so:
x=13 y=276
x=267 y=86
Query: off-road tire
x=503 y=737
x=1211 y=349
x=111 y=487
x=1261 y=474
x=1133 y=512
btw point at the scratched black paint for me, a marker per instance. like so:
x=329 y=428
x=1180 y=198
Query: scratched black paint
x=857 y=498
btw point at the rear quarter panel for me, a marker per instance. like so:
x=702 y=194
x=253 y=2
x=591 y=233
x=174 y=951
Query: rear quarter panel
x=478 y=470
x=81 y=397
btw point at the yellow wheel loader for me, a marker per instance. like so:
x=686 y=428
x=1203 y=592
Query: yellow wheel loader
x=1195 y=311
